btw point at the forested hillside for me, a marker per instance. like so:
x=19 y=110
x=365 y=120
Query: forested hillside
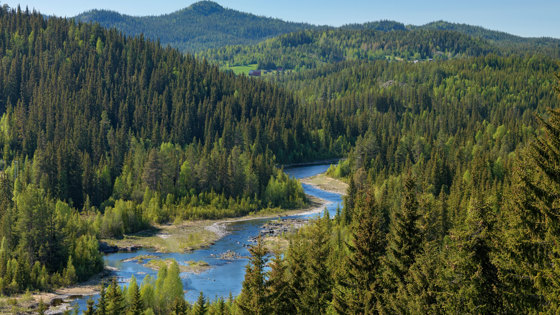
x=311 y=49
x=201 y=26
x=102 y=135
x=451 y=200
x=504 y=40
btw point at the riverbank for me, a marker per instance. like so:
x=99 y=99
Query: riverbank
x=183 y=242
x=326 y=183
x=56 y=301
x=315 y=205
x=193 y=235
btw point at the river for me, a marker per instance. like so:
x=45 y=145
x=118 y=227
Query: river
x=224 y=276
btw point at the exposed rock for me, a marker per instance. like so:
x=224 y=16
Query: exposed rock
x=230 y=255
x=280 y=227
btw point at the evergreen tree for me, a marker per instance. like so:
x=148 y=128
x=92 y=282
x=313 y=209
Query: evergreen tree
x=317 y=293
x=358 y=283
x=172 y=287
x=473 y=278
x=41 y=308
x=424 y=292
x=531 y=231
x=70 y=272
x=200 y=307
x=115 y=301
x=179 y=306
x=90 y=310
x=102 y=302
x=134 y=300
x=404 y=241
x=253 y=299
x=280 y=295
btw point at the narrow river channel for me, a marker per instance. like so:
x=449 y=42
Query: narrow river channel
x=224 y=276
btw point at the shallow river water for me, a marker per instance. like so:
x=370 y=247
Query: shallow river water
x=224 y=276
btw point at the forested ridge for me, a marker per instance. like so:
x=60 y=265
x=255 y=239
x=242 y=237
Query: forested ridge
x=201 y=26
x=311 y=49
x=314 y=48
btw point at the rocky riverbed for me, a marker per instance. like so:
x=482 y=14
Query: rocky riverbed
x=279 y=227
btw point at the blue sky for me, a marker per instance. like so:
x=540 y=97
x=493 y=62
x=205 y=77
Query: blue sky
x=519 y=17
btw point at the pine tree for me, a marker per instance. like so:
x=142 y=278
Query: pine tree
x=90 y=310
x=102 y=302
x=404 y=238
x=317 y=293
x=280 y=295
x=252 y=299
x=200 y=307
x=473 y=278
x=115 y=301
x=358 y=282
x=134 y=300
x=70 y=272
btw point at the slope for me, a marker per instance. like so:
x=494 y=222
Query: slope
x=202 y=25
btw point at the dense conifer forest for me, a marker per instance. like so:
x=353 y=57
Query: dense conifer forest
x=102 y=135
x=201 y=26
x=452 y=164
x=385 y=40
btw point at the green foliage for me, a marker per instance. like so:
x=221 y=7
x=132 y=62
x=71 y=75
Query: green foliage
x=358 y=280
x=253 y=298
x=49 y=245
x=310 y=49
x=202 y=25
x=200 y=307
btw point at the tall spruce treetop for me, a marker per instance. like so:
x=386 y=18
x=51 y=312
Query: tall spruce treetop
x=404 y=238
x=253 y=299
x=358 y=283
x=474 y=277
x=532 y=230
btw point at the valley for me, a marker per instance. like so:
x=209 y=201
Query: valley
x=212 y=161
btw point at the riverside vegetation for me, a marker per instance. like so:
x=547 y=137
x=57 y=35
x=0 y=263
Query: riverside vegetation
x=452 y=165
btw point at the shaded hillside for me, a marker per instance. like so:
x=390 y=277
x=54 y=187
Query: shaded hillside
x=201 y=26
x=310 y=49
x=504 y=40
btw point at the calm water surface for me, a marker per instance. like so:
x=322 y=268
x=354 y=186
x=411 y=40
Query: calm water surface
x=225 y=276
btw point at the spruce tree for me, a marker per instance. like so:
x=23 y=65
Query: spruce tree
x=423 y=292
x=531 y=232
x=90 y=307
x=200 y=307
x=70 y=272
x=172 y=286
x=252 y=299
x=102 y=302
x=317 y=277
x=134 y=300
x=404 y=240
x=41 y=308
x=115 y=301
x=280 y=295
x=358 y=282
x=472 y=278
